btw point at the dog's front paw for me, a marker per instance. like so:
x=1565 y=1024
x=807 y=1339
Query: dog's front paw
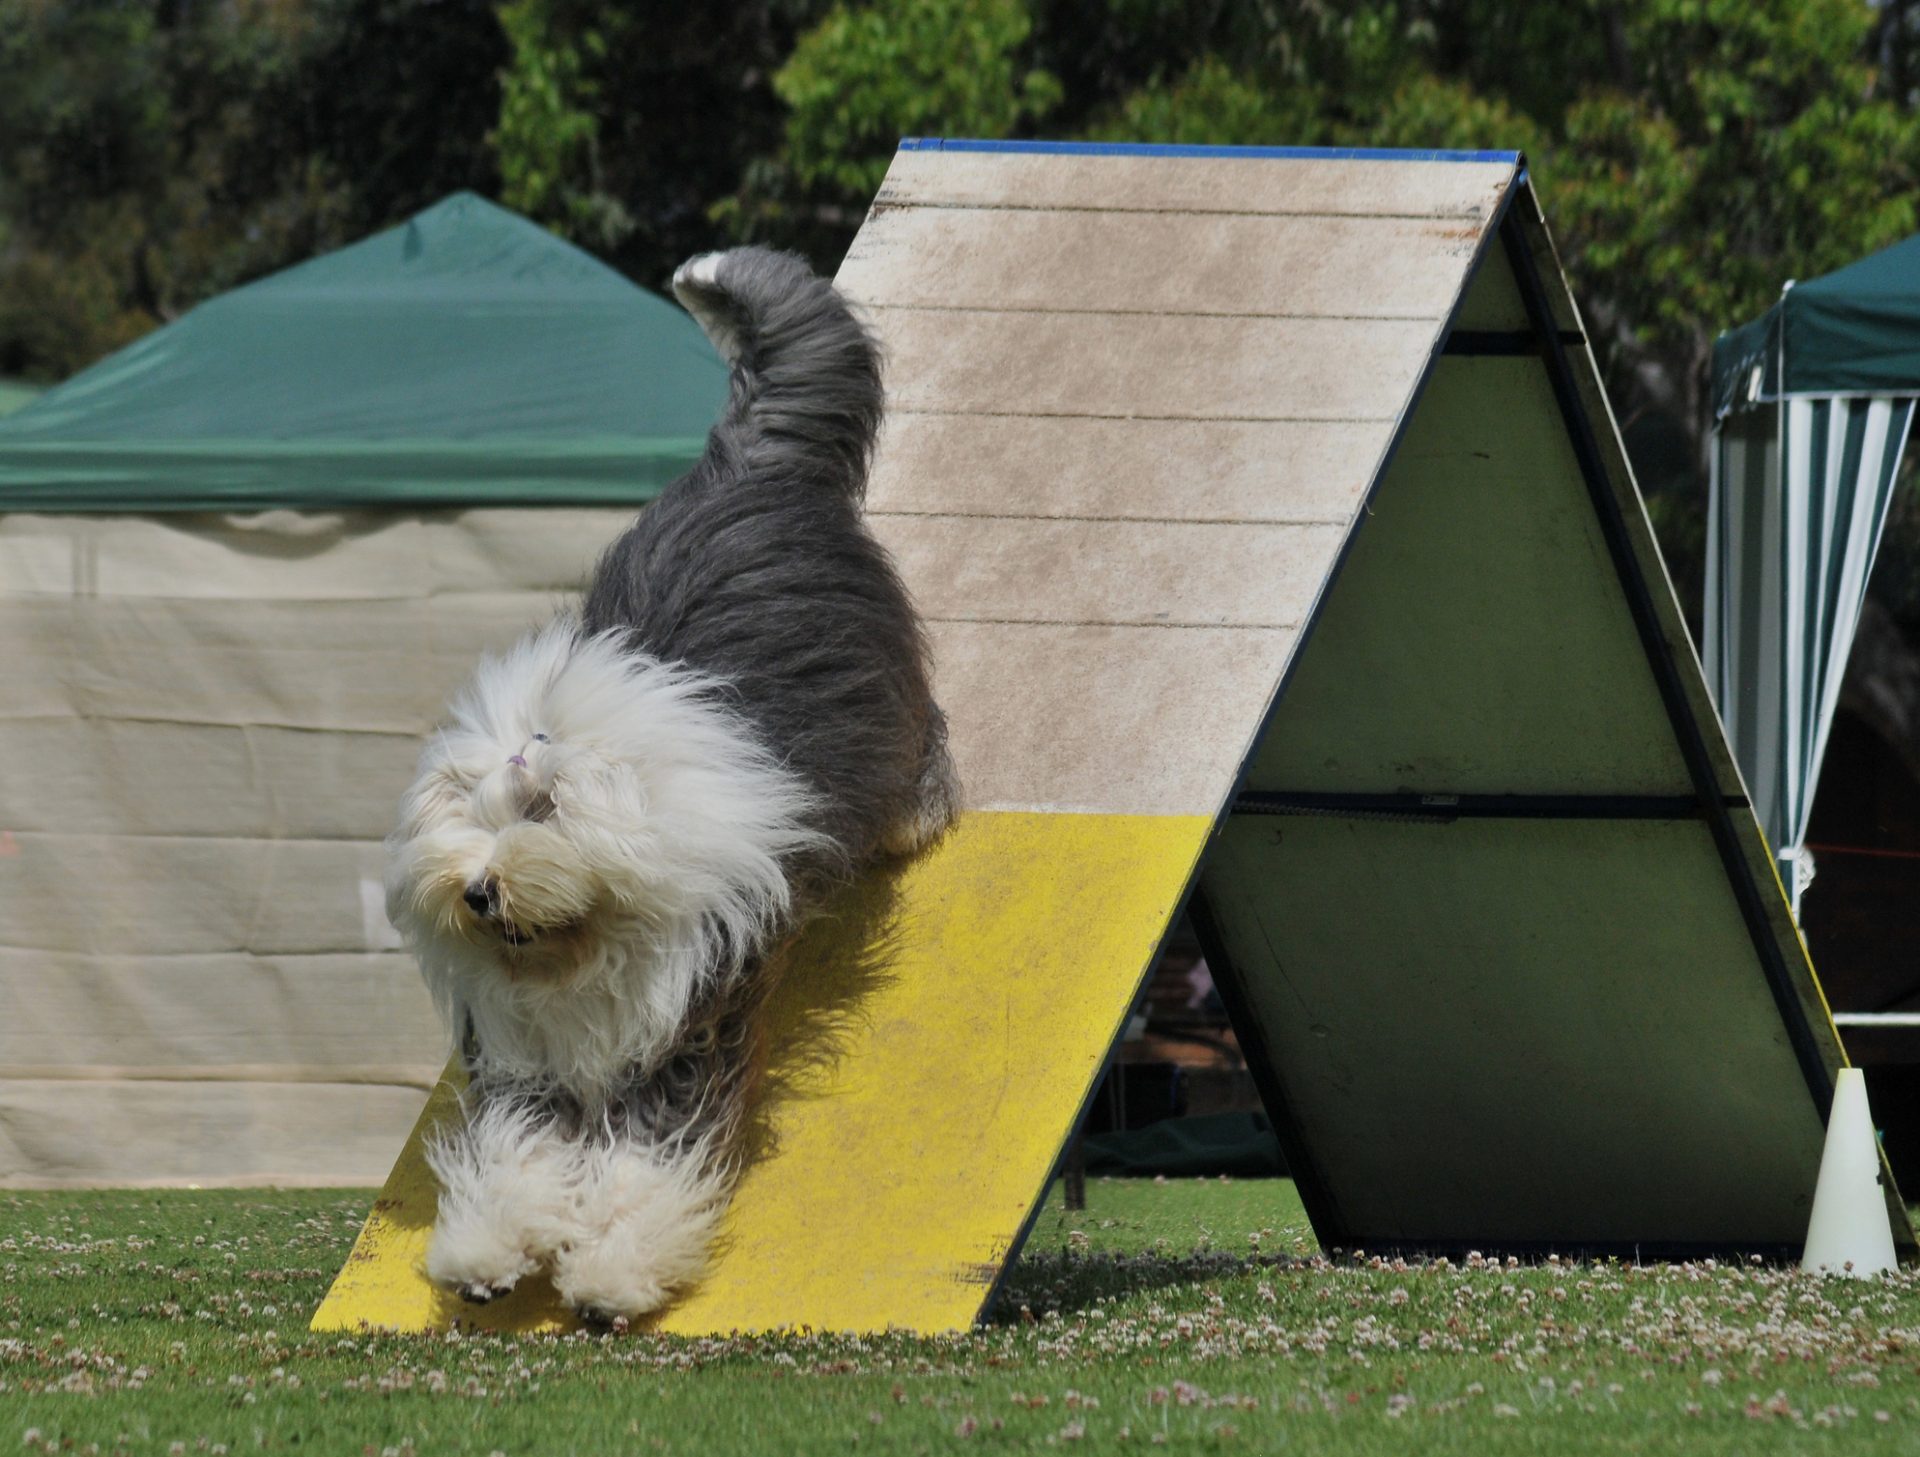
x=607 y=1285
x=595 y=1318
x=480 y=1292
x=476 y=1263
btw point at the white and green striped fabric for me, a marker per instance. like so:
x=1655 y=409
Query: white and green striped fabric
x=1798 y=496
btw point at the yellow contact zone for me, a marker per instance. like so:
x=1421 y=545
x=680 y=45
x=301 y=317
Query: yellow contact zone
x=931 y=1044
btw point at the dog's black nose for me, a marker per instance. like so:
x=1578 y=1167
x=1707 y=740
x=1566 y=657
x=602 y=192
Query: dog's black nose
x=479 y=898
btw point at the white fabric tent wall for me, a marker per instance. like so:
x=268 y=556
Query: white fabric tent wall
x=207 y=725
x=1797 y=502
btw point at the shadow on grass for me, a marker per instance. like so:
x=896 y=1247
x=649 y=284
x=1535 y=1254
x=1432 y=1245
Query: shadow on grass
x=1068 y=1281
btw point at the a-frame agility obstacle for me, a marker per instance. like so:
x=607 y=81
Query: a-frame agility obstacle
x=1278 y=551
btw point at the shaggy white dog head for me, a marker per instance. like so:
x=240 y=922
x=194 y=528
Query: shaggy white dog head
x=590 y=837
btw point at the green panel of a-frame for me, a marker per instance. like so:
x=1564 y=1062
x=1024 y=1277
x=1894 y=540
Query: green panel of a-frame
x=1492 y=911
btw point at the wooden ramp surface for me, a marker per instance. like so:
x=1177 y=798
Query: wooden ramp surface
x=1135 y=403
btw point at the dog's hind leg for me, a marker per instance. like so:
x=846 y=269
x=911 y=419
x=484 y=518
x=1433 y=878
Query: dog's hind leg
x=505 y=1177
x=936 y=796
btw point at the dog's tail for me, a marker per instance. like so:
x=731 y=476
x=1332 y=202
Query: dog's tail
x=806 y=398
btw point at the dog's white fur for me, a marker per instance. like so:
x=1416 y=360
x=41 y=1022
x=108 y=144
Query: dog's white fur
x=657 y=839
x=622 y=1226
x=667 y=825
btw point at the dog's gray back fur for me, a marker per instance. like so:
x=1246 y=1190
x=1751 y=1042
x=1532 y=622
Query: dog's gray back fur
x=755 y=566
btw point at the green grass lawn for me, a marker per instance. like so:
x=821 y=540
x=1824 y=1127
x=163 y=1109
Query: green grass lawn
x=1189 y=1315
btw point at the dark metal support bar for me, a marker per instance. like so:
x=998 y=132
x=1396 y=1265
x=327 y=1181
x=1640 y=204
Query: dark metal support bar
x=1445 y=808
x=1521 y=343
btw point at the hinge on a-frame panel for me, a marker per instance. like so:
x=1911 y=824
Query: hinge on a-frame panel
x=1446 y=808
x=1505 y=342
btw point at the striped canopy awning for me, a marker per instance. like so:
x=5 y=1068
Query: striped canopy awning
x=1799 y=490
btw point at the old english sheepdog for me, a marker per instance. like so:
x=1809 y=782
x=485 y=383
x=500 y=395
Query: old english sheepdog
x=631 y=810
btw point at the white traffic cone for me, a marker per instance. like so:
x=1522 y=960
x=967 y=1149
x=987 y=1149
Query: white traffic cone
x=1849 y=1233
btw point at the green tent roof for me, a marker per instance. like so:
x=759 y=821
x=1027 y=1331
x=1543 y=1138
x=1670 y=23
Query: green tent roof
x=464 y=357
x=1855 y=331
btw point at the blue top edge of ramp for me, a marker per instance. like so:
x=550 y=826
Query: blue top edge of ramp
x=1183 y=149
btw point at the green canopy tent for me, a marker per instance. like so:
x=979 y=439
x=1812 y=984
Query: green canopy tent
x=1812 y=405
x=465 y=356
x=243 y=564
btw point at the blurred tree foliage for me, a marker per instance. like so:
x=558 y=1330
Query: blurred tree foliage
x=152 y=155
x=1692 y=154
x=862 y=79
